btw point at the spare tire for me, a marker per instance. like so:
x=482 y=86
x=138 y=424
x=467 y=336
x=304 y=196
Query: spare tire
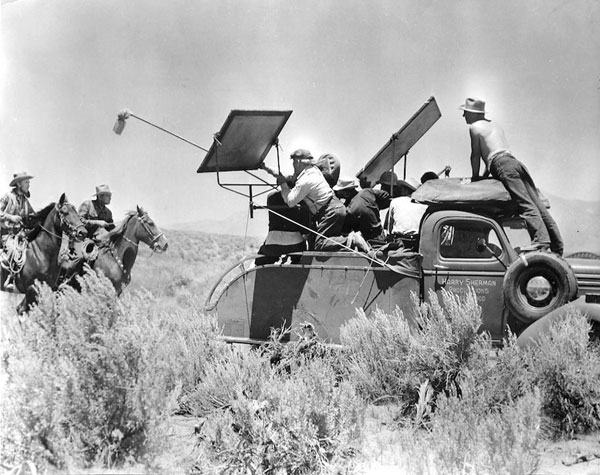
x=537 y=283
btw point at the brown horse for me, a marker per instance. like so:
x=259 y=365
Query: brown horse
x=41 y=262
x=118 y=251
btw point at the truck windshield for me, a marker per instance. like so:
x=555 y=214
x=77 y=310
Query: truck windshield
x=462 y=239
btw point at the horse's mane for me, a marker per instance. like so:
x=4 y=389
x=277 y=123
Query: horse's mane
x=36 y=220
x=42 y=214
x=116 y=233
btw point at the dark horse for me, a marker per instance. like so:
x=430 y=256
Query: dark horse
x=118 y=250
x=41 y=261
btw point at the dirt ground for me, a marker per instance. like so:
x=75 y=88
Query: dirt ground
x=380 y=454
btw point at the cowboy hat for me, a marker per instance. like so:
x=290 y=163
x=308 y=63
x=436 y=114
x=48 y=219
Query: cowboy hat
x=18 y=177
x=102 y=189
x=472 y=104
x=346 y=183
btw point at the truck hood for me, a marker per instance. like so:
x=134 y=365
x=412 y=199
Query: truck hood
x=587 y=272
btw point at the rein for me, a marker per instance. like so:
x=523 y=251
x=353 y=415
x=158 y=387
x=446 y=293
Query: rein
x=71 y=230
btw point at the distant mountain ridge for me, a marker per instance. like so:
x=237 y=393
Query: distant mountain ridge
x=578 y=221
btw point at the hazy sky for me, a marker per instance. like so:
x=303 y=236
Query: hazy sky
x=352 y=71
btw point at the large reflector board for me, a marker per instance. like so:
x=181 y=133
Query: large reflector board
x=401 y=142
x=246 y=138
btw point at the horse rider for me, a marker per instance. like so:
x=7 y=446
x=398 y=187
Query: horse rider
x=95 y=214
x=98 y=220
x=15 y=210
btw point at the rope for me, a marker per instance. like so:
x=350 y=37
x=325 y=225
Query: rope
x=14 y=255
x=366 y=256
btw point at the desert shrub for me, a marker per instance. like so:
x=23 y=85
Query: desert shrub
x=390 y=356
x=303 y=421
x=238 y=371
x=503 y=375
x=468 y=435
x=566 y=367
x=92 y=378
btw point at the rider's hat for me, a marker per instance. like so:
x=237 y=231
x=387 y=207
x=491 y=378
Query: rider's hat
x=18 y=177
x=102 y=190
x=473 y=104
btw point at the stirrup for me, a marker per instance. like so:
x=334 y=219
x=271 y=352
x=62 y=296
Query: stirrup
x=9 y=285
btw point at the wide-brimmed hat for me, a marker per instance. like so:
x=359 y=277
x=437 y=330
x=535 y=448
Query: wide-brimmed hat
x=473 y=104
x=301 y=154
x=102 y=190
x=388 y=178
x=345 y=183
x=18 y=177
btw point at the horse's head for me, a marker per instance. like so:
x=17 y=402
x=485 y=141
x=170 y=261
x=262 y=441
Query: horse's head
x=149 y=232
x=70 y=222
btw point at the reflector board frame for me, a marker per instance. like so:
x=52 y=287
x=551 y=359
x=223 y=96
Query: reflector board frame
x=401 y=142
x=244 y=140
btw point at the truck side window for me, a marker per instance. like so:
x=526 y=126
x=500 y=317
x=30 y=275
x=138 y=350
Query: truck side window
x=459 y=240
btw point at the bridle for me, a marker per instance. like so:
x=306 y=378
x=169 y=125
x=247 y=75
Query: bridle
x=154 y=237
x=65 y=226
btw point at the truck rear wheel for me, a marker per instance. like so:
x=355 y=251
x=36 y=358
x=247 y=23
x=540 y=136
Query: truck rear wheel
x=537 y=283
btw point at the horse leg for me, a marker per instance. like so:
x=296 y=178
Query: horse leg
x=28 y=301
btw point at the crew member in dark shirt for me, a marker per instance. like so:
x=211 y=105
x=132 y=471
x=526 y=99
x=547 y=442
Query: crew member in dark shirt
x=362 y=208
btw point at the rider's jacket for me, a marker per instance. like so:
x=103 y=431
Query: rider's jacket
x=14 y=203
x=93 y=210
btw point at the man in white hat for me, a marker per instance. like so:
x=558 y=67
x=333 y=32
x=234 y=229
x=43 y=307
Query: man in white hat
x=14 y=211
x=488 y=143
x=14 y=205
x=95 y=214
x=97 y=219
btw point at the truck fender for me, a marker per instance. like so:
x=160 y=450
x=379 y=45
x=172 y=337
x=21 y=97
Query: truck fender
x=537 y=283
x=531 y=334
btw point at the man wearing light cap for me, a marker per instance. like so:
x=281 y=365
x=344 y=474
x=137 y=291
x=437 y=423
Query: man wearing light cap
x=311 y=187
x=95 y=215
x=488 y=143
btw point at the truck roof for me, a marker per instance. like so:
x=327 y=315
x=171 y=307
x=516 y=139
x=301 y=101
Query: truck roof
x=459 y=193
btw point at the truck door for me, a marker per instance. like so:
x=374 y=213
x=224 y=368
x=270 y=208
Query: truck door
x=461 y=255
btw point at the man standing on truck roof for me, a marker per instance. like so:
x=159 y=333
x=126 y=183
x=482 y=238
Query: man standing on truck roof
x=489 y=144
